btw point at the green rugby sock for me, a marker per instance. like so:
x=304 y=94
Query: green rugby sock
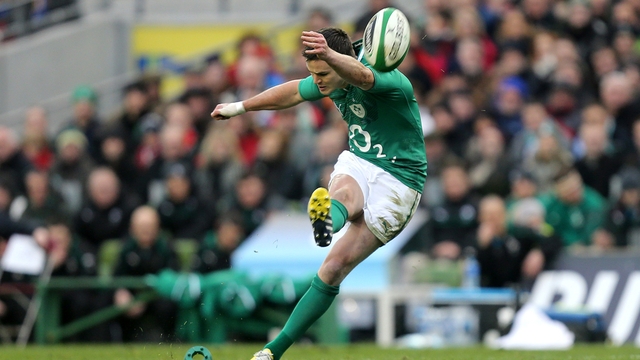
x=310 y=308
x=339 y=215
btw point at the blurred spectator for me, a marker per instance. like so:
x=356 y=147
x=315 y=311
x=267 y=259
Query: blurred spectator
x=255 y=68
x=318 y=18
x=42 y=200
x=453 y=224
x=539 y=13
x=183 y=213
x=618 y=98
x=8 y=191
x=574 y=210
x=13 y=162
x=149 y=149
x=582 y=29
x=272 y=164
x=218 y=244
x=599 y=164
x=439 y=157
x=507 y=256
x=135 y=105
x=172 y=151
x=199 y=102
x=215 y=77
x=298 y=125
x=536 y=122
x=514 y=29
x=510 y=97
x=106 y=213
x=548 y=160
x=523 y=186
x=624 y=40
x=220 y=165
x=467 y=23
x=329 y=143
x=71 y=258
x=112 y=143
x=624 y=216
x=71 y=168
x=489 y=167
x=248 y=134
x=373 y=6
x=145 y=251
x=618 y=140
x=181 y=115
x=36 y=144
x=85 y=118
x=251 y=201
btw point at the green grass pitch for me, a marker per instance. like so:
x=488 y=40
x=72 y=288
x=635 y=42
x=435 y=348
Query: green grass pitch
x=355 y=352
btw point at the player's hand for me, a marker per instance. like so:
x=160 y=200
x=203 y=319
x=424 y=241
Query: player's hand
x=316 y=42
x=226 y=111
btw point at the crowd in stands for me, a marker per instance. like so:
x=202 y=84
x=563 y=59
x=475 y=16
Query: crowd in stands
x=530 y=115
x=23 y=17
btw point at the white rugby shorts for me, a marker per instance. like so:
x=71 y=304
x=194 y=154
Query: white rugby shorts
x=388 y=203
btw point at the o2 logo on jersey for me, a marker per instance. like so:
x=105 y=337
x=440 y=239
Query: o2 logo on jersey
x=356 y=132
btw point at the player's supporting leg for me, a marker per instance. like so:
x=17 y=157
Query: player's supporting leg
x=330 y=210
x=355 y=246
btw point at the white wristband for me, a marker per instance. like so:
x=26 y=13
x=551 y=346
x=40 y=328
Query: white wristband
x=233 y=109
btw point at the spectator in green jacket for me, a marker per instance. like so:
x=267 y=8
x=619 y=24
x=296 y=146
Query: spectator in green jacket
x=574 y=210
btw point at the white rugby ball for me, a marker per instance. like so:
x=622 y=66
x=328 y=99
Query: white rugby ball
x=386 y=39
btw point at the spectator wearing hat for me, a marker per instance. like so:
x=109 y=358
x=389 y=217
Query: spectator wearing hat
x=624 y=216
x=182 y=212
x=71 y=167
x=106 y=212
x=85 y=118
x=13 y=163
x=575 y=211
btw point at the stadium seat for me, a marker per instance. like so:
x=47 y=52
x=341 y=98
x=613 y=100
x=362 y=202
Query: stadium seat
x=108 y=257
x=185 y=250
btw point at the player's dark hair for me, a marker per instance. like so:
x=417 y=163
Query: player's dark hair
x=337 y=39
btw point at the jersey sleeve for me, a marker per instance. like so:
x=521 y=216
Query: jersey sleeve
x=308 y=90
x=385 y=81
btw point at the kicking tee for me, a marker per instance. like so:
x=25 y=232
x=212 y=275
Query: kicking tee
x=384 y=124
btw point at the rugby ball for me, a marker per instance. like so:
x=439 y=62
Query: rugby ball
x=386 y=39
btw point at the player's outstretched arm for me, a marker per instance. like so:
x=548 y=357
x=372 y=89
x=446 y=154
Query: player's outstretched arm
x=278 y=97
x=347 y=67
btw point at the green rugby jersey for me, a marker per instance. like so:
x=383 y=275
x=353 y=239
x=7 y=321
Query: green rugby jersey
x=384 y=124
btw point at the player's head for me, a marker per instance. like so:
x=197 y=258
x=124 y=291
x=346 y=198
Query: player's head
x=323 y=75
x=337 y=39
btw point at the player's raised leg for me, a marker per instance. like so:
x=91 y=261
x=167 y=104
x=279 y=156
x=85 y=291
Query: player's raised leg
x=355 y=246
